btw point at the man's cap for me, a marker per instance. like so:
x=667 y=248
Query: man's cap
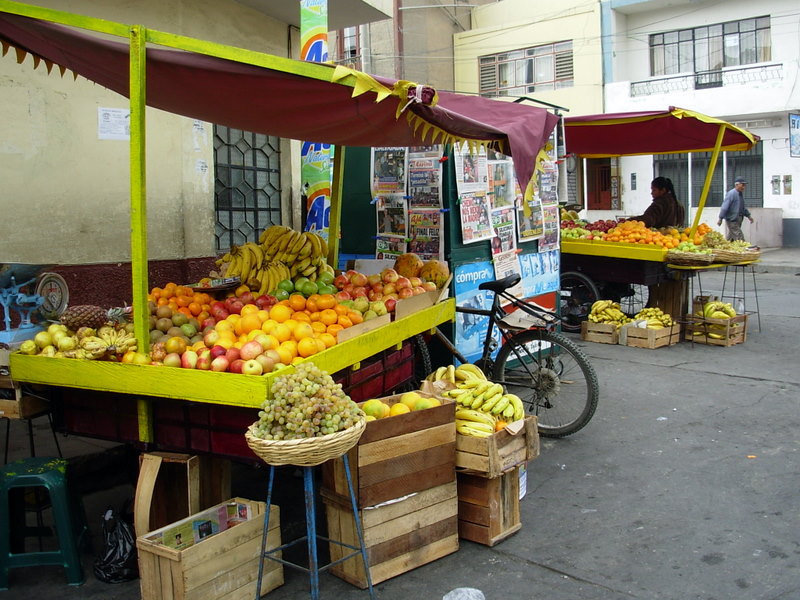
x=740 y=180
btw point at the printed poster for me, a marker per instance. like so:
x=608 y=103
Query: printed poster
x=470 y=330
x=548 y=183
x=502 y=183
x=425 y=177
x=552 y=223
x=388 y=170
x=392 y=213
x=389 y=247
x=476 y=224
x=471 y=171
x=505 y=265
x=425 y=234
x=505 y=228
x=530 y=219
x=540 y=272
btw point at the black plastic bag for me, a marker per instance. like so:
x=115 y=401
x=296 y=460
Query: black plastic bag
x=118 y=562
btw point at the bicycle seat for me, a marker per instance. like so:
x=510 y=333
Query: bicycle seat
x=500 y=285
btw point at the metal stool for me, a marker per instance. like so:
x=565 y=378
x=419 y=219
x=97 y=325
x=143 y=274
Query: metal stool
x=739 y=273
x=49 y=473
x=311 y=536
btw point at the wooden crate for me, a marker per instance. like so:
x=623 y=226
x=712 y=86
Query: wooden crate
x=603 y=333
x=22 y=406
x=731 y=331
x=399 y=536
x=223 y=566
x=494 y=455
x=399 y=455
x=639 y=337
x=488 y=509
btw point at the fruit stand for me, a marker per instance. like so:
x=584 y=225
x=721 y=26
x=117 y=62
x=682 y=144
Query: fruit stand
x=359 y=110
x=643 y=256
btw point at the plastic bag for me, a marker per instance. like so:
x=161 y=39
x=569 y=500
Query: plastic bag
x=118 y=562
x=464 y=594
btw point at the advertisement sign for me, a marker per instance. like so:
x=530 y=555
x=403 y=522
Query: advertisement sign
x=470 y=330
x=794 y=135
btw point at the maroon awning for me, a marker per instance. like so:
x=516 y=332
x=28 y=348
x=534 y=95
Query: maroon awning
x=281 y=102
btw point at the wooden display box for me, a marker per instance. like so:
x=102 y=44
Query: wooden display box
x=603 y=333
x=399 y=455
x=488 y=509
x=494 y=455
x=223 y=566
x=399 y=536
x=730 y=331
x=22 y=406
x=638 y=337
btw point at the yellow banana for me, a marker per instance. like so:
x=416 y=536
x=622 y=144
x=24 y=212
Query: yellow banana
x=466 y=414
x=467 y=428
x=508 y=411
x=477 y=400
x=501 y=405
x=519 y=408
x=474 y=369
x=490 y=401
x=450 y=375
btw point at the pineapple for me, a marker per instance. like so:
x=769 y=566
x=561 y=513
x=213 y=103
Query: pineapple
x=89 y=315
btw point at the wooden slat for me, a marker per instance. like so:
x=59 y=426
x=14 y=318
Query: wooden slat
x=408 y=542
x=395 y=488
x=384 y=429
x=405 y=444
x=413 y=559
x=406 y=464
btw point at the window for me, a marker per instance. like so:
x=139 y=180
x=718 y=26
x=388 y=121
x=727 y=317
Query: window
x=521 y=72
x=710 y=48
x=348 y=47
x=247 y=181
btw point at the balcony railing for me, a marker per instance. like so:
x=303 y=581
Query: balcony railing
x=706 y=79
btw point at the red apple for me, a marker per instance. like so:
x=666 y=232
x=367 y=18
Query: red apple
x=235 y=306
x=358 y=291
x=218 y=351
x=415 y=281
x=217 y=304
x=220 y=313
x=221 y=364
x=378 y=287
x=208 y=322
x=273 y=354
x=266 y=301
x=349 y=287
x=252 y=367
x=173 y=359
x=374 y=279
x=250 y=350
x=204 y=359
x=236 y=366
x=342 y=295
x=429 y=286
x=358 y=279
x=389 y=303
x=389 y=288
x=402 y=282
x=247 y=298
x=389 y=275
x=267 y=363
x=340 y=281
x=189 y=359
x=350 y=272
x=406 y=292
x=417 y=290
x=232 y=354
x=373 y=295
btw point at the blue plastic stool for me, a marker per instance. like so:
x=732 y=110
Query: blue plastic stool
x=49 y=473
x=311 y=536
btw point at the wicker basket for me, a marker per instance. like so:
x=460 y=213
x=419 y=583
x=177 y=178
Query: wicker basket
x=729 y=256
x=676 y=257
x=306 y=452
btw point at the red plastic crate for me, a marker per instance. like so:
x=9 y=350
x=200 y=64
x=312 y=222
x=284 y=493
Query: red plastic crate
x=398 y=367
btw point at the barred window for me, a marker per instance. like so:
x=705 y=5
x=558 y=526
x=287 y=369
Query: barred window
x=711 y=47
x=521 y=72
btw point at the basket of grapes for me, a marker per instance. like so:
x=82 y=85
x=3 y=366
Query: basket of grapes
x=308 y=420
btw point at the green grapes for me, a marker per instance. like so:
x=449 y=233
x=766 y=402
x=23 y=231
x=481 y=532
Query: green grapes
x=305 y=403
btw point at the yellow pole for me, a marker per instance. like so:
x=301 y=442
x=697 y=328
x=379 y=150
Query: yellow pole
x=336 y=205
x=707 y=185
x=138 y=201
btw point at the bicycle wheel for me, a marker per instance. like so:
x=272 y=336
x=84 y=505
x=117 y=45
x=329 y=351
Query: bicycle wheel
x=577 y=295
x=553 y=378
x=636 y=300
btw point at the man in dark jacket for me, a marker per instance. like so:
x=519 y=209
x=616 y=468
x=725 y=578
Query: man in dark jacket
x=733 y=211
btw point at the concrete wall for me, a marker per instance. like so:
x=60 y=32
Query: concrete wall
x=514 y=24
x=66 y=193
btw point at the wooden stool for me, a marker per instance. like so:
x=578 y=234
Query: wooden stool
x=49 y=473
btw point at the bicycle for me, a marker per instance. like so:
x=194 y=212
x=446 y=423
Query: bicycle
x=579 y=292
x=547 y=371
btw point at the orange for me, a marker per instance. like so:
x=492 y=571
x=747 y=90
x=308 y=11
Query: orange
x=241 y=290
x=268 y=325
x=175 y=344
x=319 y=327
x=282 y=332
x=328 y=339
x=291 y=323
x=312 y=302
x=355 y=317
x=225 y=342
x=185 y=311
x=202 y=316
x=334 y=329
x=182 y=301
x=285 y=356
x=297 y=360
x=254 y=334
x=328 y=316
x=301 y=316
x=162 y=301
x=302 y=331
x=173 y=305
x=249 y=322
x=345 y=321
x=263 y=315
x=297 y=301
x=398 y=409
x=326 y=301
x=341 y=309
x=249 y=309
x=280 y=313
x=307 y=346
x=224 y=325
x=321 y=345
x=314 y=316
x=290 y=345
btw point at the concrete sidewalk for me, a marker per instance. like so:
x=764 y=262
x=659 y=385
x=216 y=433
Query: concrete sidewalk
x=779 y=260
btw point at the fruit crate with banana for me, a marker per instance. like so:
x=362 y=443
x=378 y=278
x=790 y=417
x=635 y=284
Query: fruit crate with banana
x=494 y=433
x=650 y=328
x=488 y=509
x=715 y=323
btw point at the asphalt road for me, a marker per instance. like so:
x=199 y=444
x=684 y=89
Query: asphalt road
x=683 y=486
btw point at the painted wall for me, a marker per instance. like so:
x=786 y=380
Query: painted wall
x=514 y=24
x=66 y=196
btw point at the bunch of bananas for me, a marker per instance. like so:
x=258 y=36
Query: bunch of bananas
x=655 y=317
x=487 y=397
x=117 y=341
x=606 y=311
x=717 y=310
x=454 y=375
x=249 y=263
x=304 y=253
x=475 y=423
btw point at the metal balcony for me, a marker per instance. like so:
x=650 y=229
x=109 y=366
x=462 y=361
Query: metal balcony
x=706 y=79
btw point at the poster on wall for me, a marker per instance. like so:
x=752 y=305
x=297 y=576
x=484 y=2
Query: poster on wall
x=388 y=170
x=505 y=228
x=794 y=135
x=470 y=330
x=505 y=265
x=549 y=240
x=392 y=213
x=502 y=183
x=548 y=183
x=530 y=220
x=476 y=224
x=389 y=247
x=471 y=170
x=425 y=177
x=425 y=229
x=540 y=272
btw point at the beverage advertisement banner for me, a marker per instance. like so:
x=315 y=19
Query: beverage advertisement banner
x=470 y=330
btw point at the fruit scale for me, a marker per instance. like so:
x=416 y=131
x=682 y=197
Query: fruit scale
x=49 y=299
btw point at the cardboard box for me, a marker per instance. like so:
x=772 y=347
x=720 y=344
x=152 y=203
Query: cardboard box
x=716 y=332
x=488 y=509
x=603 y=333
x=398 y=455
x=501 y=452
x=399 y=535
x=642 y=337
x=219 y=566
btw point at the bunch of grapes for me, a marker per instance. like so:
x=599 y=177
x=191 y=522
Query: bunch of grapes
x=305 y=403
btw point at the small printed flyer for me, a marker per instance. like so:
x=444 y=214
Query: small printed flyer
x=392 y=214
x=506 y=264
x=475 y=222
x=389 y=247
x=388 y=170
x=551 y=228
x=471 y=171
x=425 y=177
x=531 y=225
x=505 y=227
x=502 y=183
x=425 y=234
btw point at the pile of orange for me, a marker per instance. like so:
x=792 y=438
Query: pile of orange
x=181 y=298
x=635 y=232
x=291 y=328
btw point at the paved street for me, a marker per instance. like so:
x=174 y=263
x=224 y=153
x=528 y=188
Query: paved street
x=684 y=485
